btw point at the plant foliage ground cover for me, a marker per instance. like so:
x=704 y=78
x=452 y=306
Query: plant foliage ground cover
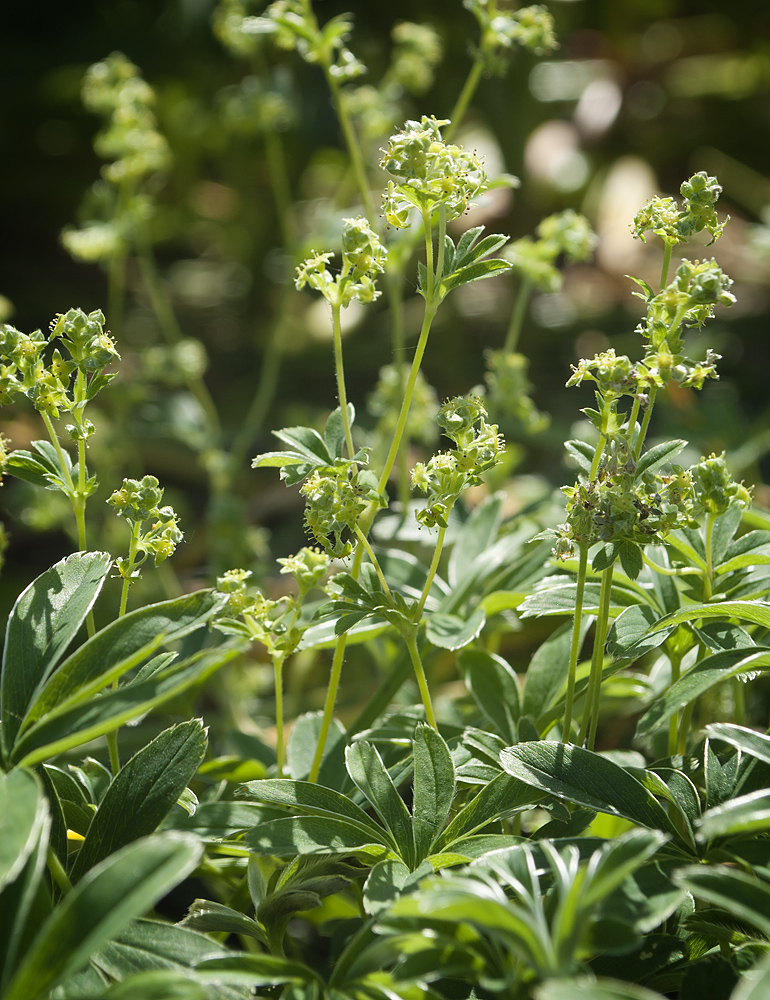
x=478 y=843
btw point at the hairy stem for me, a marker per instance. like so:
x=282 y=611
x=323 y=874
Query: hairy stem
x=591 y=713
x=432 y=571
x=340 y=371
x=466 y=96
x=517 y=315
x=575 y=646
x=278 y=661
x=422 y=683
x=328 y=712
x=374 y=561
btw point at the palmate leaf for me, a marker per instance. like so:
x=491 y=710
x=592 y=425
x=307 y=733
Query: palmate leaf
x=746 y=814
x=743 y=895
x=700 y=678
x=122 y=887
x=453 y=632
x=143 y=792
x=365 y=767
x=44 y=621
x=750 y=742
x=64 y=729
x=434 y=788
x=121 y=646
x=150 y=947
x=495 y=689
x=44 y=469
x=25 y=823
x=587 y=779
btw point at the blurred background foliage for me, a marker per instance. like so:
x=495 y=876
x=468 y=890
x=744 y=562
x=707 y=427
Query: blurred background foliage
x=638 y=96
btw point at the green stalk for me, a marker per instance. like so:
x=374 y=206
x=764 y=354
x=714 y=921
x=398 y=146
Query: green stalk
x=591 y=712
x=58 y=871
x=518 y=314
x=63 y=465
x=708 y=582
x=430 y=312
x=278 y=661
x=374 y=561
x=422 y=683
x=432 y=570
x=170 y=327
x=667 y=248
x=331 y=697
x=466 y=96
x=575 y=647
x=340 y=371
x=645 y=423
x=676 y=663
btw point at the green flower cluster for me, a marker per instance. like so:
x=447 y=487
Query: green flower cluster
x=478 y=447
x=564 y=234
x=293 y=27
x=363 y=258
x=531 y=28
x=114 y=89
x=335 y=498
x=615 y=507
x=510 y=388
x=687 y=301
x=430 y=172
x=24 y=369
x=715 y=488
x=154 y=528
x=308 y=567
x=385 y=402
x=673 y=224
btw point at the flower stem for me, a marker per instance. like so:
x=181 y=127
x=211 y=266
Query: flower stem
x=279 y=743
x=517 y=315
x=591 y=712
x=466 y=96
x=340 y=370
x=645 y=423
x=422 y=683
x=575 y=647
x=430 y=312
x=374 y=561
x=432 y=570
x=331 y=697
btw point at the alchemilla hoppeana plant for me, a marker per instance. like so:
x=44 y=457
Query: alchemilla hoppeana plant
x=462 y=831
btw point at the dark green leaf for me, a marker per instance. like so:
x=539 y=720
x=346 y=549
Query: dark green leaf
x=628 y=637
x=746 y=814
x=494 y=686
x=70 y=727
x=658 y=455
x=365 y=767
x=452 y=632
x=587 y=779
x=747 y=740
x=474 y=272
x=143 y=793
x=387 y=881
x=122 y=887
x=704 y=675
x=317 y=835
x=434 y=788
x=43 y=622
x=745 y=896
x=501 y=797
x=117 y=648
